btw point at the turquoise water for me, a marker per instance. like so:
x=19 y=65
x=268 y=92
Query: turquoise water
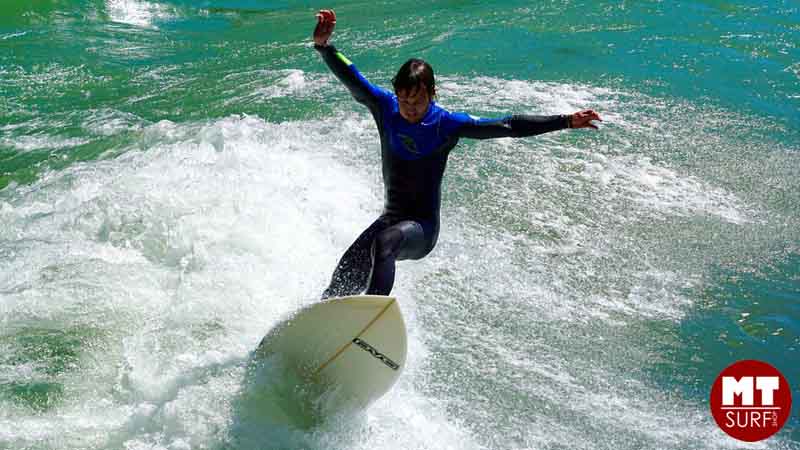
x=175 y=176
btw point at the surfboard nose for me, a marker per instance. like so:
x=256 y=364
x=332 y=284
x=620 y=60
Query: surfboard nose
x=350 y=349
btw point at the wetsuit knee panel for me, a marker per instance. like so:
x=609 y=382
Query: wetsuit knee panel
x=388 y=243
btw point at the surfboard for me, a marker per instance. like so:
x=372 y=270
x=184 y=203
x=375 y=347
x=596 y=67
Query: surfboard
x=349 y=350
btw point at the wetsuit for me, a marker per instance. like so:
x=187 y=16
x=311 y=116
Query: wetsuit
x=414 y=158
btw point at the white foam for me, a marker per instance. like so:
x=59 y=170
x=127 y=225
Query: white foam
x=136 y=12
x=40 y=142
x=108 y=122
x=13 y=35
x=259 y=86
x=501 y=96
x=371 y=40
x=794 y=68
x=292 y=84
x=183 y=256
x=662 y=189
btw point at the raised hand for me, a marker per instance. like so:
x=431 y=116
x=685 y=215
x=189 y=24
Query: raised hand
x=326 y=22
x=582 y=119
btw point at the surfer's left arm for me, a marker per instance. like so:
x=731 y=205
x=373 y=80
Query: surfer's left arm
x=520 y=125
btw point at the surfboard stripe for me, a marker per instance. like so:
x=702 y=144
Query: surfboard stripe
x=350 y=342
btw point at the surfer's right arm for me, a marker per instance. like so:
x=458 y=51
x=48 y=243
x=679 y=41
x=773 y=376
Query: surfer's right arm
x=362 y=90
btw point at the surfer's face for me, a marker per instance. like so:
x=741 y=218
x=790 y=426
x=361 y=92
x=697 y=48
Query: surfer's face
x=413 y=103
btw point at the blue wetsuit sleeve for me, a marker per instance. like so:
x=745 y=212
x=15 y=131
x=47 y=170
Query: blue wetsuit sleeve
x=518 y=125
x=362 y=90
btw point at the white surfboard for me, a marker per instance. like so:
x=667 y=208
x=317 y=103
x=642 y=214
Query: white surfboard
x=350 y=349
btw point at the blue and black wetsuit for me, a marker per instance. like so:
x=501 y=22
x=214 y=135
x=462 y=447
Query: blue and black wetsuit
x=414 y=158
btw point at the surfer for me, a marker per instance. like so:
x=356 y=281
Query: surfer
x=416 y=138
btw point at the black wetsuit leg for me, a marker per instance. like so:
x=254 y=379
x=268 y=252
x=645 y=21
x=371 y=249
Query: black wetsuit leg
x=369 y=263
x=352 y=273
x=407 y=239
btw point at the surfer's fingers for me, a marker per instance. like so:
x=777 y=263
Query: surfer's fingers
x=589 y=115
x=330 y=20
x=329 y=15
x=321 y=24
x=324 y=23
x=320 y=28
x=588 y=118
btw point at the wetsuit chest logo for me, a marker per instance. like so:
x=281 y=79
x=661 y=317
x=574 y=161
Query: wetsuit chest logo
x=409 y=143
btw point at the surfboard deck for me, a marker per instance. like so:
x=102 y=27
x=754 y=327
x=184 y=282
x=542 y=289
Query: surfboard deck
x=349 y=350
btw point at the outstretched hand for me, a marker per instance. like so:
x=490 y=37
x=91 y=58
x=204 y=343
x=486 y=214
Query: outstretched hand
x=326 y=22
x=583 y=119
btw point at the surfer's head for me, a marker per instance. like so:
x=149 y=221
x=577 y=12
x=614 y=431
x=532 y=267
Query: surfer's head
x=415 y=88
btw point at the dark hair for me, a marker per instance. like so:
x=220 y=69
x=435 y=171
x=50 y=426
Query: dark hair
x=413 y=73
